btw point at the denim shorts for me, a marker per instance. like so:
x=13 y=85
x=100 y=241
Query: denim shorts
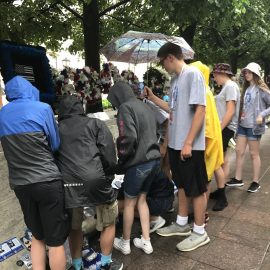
x=138 y=179
x=247 y=132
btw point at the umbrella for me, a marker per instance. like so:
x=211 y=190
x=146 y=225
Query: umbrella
x=138 y=47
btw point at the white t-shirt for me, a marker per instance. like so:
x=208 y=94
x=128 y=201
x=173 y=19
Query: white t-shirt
x=230 y=91
x=187 y=89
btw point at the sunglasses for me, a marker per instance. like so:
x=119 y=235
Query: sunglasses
x=161 y=61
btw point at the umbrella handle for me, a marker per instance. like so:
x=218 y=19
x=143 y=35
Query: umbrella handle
x=148 y=59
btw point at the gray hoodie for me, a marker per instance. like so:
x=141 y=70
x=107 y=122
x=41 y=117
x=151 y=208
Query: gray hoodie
x=137 y=141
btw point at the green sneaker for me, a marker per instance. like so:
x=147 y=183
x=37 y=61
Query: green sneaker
x=174 y=229
x=194 y=241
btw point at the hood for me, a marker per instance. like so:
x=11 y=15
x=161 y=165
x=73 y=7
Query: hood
x=20 y=88
x=204 y=69
x=70 y=106
x=120 y=93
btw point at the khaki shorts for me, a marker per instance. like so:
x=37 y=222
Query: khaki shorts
x=76 y=218
x=106 y=215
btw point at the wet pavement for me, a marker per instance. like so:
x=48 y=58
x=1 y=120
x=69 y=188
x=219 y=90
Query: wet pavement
x=240 y=235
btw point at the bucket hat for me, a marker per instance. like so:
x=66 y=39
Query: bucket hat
x=253 y=67
x=223 y=68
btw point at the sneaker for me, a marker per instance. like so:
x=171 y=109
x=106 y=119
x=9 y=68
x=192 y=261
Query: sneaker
x=207 y=218
x=122 y=245
x=114 y=265
x=143 y=244
x=220 y=204
x=175 y=229
x=171 y=210
x=254 y=187
x=234 y=183
x=194 y=241
x=154 y=225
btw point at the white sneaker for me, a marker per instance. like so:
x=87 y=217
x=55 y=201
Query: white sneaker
x=156 y=224
x=143 y=244
x=122 y=245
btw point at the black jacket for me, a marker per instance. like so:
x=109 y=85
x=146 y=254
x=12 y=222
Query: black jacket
x=137 y=141
x=86 y=156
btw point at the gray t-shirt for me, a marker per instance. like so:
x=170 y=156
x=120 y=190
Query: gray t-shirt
x=187 y=89
x=247 y=116
x=230 y=91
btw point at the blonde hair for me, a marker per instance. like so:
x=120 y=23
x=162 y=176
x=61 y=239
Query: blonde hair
x=259 y=82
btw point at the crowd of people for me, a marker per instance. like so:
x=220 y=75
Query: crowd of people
x=57 y=169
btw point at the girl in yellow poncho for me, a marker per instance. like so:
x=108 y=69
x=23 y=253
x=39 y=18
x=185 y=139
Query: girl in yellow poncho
x=214 y=148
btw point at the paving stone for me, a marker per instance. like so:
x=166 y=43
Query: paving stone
x=229 y=255
x=248 y=235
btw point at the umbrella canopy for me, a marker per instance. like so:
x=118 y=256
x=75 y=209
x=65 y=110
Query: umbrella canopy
x=138 y=47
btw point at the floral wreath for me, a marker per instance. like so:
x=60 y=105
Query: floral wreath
x=157 y=80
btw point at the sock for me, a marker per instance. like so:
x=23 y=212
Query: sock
x=126 y=242
x=106 y=259
x=181 y=220
x=77 y=263
x=145 y=239
x=198 y=229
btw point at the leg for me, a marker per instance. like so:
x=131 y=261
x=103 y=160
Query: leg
x=106 y=239
x=199 y=205
x=38 y=254
x=75 y=243
x=254 y=150
x=182 y=203
x=128 y=216
x=219 y=194
x=241 y=145
x=144 y=215
x=57 y=258
x=226 y=164
x=220 y=177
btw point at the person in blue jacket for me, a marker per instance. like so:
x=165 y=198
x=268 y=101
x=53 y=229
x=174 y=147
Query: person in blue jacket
x=29 y=137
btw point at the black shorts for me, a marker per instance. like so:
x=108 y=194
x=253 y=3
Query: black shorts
x=189 y=174
x=44 y=211
x=159 y=206
x=227 y=134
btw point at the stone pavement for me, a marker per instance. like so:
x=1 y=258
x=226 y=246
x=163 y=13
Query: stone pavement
x=240 y=235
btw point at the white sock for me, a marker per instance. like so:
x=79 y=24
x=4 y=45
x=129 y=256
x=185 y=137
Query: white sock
x=146 y=240
x=182 y=220
x=126 y=242
x=198 y=229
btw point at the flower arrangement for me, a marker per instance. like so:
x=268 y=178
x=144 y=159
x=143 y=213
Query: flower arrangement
x=157 y=80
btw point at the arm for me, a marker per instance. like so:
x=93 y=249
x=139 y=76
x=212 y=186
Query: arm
x=230 y=111
x=51 y=130
x=266 y=112
x=127 y=140
x=159 y=102
x=106 y=147
x=196 y=125
x=164 y=145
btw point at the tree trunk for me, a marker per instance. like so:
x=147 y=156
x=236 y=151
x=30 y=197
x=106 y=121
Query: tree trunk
x=91 y=34
x=234 y=62
x=189 y=33
x=92 y=44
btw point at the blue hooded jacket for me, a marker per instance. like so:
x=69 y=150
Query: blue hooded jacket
x=29 y=135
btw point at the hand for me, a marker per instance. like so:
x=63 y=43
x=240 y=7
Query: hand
x=148 y=92
x=259 y=120
x=186 y=151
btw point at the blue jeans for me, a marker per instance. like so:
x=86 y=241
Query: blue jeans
x=138 y=179
x=247 y=132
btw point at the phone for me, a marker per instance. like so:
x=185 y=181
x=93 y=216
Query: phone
x=141 y=86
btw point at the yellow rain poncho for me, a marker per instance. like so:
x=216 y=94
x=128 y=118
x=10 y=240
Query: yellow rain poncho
x=213 y=135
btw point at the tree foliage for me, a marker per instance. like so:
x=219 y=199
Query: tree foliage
x=235 y=31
